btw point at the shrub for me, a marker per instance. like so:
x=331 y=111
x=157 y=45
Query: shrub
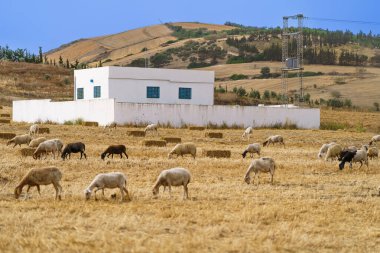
x=266 y=95
x=241 y=92
x=140 y=62
x=335 y=94
x=340 y=81
x=254 y=94
x=265 y=72
x=238 y=77
x=332 y=125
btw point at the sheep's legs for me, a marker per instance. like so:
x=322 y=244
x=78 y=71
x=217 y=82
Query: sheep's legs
x=127 y=193
x=122 y=194
x=185 y=192
x=170 y=191
x=97 y=189
x=125 y=155
x=271 y=178
x=58 y=190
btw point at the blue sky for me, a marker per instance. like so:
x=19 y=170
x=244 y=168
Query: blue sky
x=49 y=23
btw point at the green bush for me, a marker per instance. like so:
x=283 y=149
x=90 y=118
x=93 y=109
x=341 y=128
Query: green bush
x=331 y=125
x=238 y=77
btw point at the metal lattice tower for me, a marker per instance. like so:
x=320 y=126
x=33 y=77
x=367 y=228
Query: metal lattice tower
x=292 y=61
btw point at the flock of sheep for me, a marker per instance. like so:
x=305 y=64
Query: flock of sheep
x=167 y=178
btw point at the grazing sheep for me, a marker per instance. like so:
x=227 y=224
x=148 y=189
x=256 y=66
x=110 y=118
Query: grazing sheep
x=183 y=149
x=352 y=156
x=59 y=145
x=248 y=131
x=373 y=152
x=173 y=177
x=151 y=128
x=252 y=148
x=274 y=139
x=375 y=138
x=111 y=125
x=35 y=142
x=46 y=147
x=110 y=181
x=346 y=156
x=324 y=149
x=114 y=149
x=333 y=152
x=74 y=148
x=42 y=176
x=20 y=139
x=34 y=129
x=264 y=164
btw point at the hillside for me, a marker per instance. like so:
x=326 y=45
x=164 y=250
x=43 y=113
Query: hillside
x=214 y=47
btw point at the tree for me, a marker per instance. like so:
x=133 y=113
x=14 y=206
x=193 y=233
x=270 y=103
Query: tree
x=67 y=63
x=160 y=59
x=140 y=62
x=266 y=95
x=60 y=61
x=40 y=54
x=265 y=72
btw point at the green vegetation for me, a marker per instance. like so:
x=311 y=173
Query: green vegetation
x=238 y=77
x=140 y=62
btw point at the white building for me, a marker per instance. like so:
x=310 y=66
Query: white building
x=145 y=85
x=146 y=95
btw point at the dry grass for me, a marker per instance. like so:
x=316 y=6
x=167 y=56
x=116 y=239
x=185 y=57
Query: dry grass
x=217 y=153
x=136 y=133
x=197 y=128
x=7 y=136
x=90 y=123
x=311 y=207
x=5 y=115
x=5 y=121
x=43 y=130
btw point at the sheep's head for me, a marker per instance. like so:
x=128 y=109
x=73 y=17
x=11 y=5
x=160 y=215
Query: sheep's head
x=87 y=194
x=170 y=155
x=155 y=191
x=102 y=156
x=35 y=156
x=9 y=142
x=247 y=179
x=17 y=192
x=341 y=165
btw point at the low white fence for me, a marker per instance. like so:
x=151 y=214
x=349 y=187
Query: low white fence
x=107 y=110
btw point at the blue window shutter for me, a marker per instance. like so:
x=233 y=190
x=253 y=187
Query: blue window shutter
x=152 y=92
x=184 y=93
x=80 y=94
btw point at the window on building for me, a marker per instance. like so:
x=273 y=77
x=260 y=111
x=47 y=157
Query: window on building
x=97 y=92
x=80 y=94
x=184 y=93
x=152 y=92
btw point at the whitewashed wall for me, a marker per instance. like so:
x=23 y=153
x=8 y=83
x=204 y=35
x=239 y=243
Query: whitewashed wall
x=83 y=77
x=178 y=115
x=99 y=110
x=105 y=111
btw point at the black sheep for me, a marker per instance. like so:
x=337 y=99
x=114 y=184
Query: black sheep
x=74 y=148
x=346 y=156
x=114 y=149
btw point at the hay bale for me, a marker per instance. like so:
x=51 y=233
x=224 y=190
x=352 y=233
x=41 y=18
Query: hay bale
x=43 y=130
x=172 y=139
x=90 y=123
x=7 y=136
x=199 y=128
x=1 y=107
x=155 y=143
x=5 y=121
x=5 y=115
x=214 y=135
x=27 y=151
x=217 y=153
x=136 y=133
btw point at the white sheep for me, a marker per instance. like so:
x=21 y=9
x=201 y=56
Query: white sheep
x=20 y=139
x=361 y=156
x=373 y=152
x=324 y=149
x=35 y=142
x=151 y=128
x=252 y=148
x=274 y=139
x=183 y=149
x=46 y=147
x=375 y=138
x=37 y=177
x=59 y=145
x=247 y=132
x=108 y=180
x=263 y=164
x=333 y=152
x=173 y=177
x=34 y=129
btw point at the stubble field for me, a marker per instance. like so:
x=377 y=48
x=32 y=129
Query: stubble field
x=311 y=207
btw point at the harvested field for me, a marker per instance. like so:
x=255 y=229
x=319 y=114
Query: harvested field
x=7 y=136
x=311 y=207
x=217 y=153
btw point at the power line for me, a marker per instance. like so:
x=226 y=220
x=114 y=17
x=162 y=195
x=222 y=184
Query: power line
x=343 y=20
